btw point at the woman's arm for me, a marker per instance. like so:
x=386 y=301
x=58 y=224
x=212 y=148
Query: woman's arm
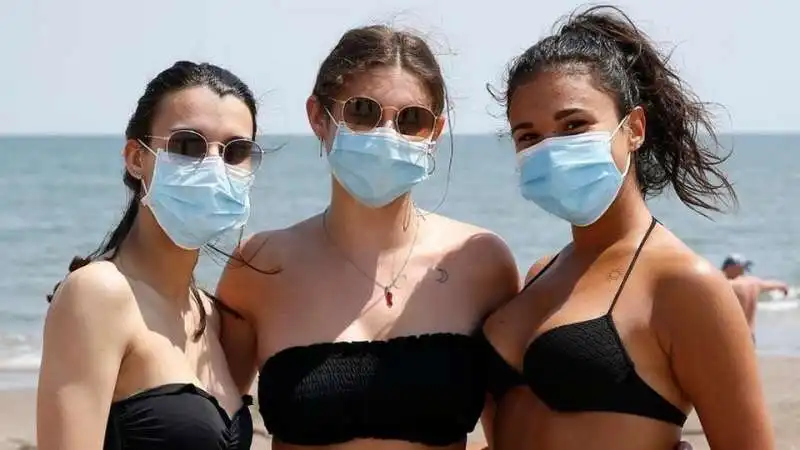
x=712 y=355
x=487 y=421
x=239 y=286
x=85 y=339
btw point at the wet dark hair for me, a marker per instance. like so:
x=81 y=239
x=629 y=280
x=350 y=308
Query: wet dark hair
x=182 y=75
x=680 y=137
x=361 y=49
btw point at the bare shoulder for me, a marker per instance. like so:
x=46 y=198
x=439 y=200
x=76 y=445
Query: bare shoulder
x=746 y=282
x=98 y=285
x=538 y=266
x=257 y=265
x=690 y=292
x=96 y=296
x=470 y=238
x=482 y=254
x=685 y=279
x=742 y=286
x=268 y=249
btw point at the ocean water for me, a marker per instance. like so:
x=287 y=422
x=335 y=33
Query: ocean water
x=59 y=196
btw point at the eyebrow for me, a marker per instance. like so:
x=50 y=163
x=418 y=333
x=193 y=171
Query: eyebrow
x=200 y=132
x=182 y=128
x=564 y=113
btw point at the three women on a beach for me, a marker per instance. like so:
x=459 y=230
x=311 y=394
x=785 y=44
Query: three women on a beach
x=365 y=320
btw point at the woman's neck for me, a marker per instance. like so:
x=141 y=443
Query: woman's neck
x=150 y=256
x=628 y=214
x=384 y=229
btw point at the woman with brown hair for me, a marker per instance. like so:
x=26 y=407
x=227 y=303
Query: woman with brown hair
x=363 y=337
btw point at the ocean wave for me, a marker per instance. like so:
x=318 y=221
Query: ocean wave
x=8 y=316
x=778 y=305
x=22 y=363
x=19 y=352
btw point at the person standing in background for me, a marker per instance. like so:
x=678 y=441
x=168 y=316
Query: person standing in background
x=747 y=287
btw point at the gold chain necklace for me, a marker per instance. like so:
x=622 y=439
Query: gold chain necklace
x=387 y=289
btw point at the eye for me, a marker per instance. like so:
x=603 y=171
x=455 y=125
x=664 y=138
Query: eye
x=575 y=126
x=527 y=138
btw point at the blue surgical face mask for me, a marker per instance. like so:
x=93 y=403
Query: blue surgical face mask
x=196 y=201
x=572 y=177
x=378 y=166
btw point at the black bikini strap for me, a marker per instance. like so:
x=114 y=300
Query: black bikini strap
x=536 y=277
x=633 y=263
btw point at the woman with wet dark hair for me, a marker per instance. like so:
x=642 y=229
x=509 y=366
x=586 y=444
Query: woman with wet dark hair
x=364 y=339
x=131 y=354
x=618 y=336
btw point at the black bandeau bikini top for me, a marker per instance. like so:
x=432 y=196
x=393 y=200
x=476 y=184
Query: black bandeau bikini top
x=177 y=416
x=427 y=389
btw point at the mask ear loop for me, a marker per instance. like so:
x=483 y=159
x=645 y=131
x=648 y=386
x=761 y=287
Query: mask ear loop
x=621 y=122
x=146 y=196
x=335 y=123
x=430 y=153
x=433 y=163
x=628 y=158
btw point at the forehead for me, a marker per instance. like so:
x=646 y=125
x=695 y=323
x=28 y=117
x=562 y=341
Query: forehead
x=390 y=86
x=555 y=90
x=200 y=108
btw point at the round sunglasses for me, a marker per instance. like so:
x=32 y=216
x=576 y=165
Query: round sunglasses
x=362 y=114
x=244 y=155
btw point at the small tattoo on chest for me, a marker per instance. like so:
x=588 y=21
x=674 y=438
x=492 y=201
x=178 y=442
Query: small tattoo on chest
x=443 y=276
x=615 y=275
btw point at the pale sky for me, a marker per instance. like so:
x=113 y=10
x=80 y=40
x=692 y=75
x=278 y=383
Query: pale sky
x=79 y=66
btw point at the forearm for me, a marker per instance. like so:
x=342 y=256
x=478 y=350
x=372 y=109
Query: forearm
x=773 y=285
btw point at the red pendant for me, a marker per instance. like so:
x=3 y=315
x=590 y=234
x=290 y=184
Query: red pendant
x=387 y=294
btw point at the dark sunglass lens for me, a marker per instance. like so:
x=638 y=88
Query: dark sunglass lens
x=416 y=122
x=361 y=113
x=243 y=154
x=187 y=143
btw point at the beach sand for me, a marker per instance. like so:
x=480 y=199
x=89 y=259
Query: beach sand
x=781 y=378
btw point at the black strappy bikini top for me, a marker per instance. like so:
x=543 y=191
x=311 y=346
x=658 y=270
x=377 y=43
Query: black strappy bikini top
x=177 y=416
x=584 y=366
x=427 y=389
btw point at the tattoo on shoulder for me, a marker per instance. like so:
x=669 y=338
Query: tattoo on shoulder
x=615 y=274
x=443 y=275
